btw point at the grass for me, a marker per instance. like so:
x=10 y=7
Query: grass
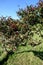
x=26 y=55
x=26 y=58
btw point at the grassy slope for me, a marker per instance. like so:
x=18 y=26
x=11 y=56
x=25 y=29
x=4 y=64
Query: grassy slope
x=27 y=56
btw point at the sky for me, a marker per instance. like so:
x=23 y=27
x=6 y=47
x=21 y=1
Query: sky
x=10 y=7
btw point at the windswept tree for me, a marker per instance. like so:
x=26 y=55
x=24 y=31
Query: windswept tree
x=32 y=14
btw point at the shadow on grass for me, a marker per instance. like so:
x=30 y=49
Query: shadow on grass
x=36 y=53
x=5 y=59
